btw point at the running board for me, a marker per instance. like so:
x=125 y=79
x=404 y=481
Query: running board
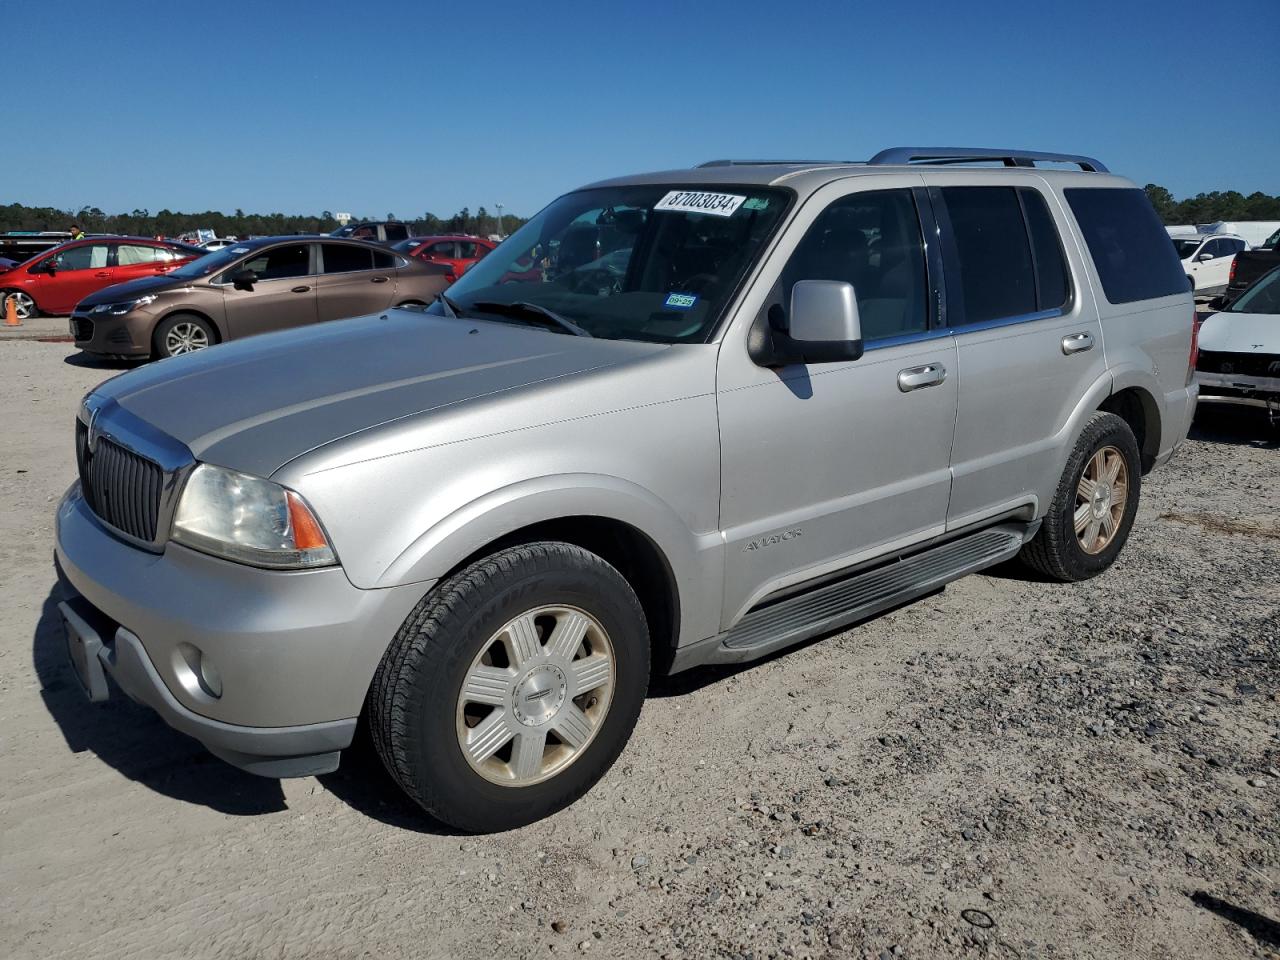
x=766 y=629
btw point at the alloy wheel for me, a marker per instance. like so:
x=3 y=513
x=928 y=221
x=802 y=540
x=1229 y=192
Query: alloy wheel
x=535 y=696
x=185 y=337
x=1101 y=496
x=23 y=305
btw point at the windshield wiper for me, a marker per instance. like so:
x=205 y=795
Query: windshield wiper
x=451 y=309
x=531 y=311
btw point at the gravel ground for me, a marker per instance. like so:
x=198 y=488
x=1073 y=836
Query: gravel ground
x=1006 y=769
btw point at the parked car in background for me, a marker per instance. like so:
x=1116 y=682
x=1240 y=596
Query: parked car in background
x=479 y=530
x=1206 y=260
x=1252 y=232
x=253 y=287
x=20 y=245
x=1249 y=265
x=458 y=252
x=55 y=281
x=386 y=232
x=217 y=243
x=1181 y=230
x=1240 y=347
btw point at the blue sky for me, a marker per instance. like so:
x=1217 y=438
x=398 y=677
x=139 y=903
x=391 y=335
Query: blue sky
x=300 y=106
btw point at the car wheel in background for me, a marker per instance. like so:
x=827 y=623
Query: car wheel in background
x=1091 y=514
x=25 y=306
x=182 y=333
x=512 y=687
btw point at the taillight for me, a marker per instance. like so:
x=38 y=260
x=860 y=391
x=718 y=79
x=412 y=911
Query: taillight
x=1231 y=277
x=1195 y=348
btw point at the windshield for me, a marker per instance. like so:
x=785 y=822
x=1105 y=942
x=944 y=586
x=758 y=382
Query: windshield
x=1262 y=297
x=211 y=263
x=1185 y=248
x=628 y=263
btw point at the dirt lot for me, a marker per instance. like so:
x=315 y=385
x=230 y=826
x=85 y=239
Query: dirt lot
x=1006 y=769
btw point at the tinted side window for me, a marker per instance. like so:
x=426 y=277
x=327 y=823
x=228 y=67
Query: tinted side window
x=1052 y=288
x=341 y=258
x=88 y=257
x=396 y=231
x=997 y=279
x=281 y=262
x=1129 y=246
x=871 y=240
x=383 y=261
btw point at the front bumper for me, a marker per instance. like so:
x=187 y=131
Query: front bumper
x=1238 y=385
x=268 y=669
x=127 y=336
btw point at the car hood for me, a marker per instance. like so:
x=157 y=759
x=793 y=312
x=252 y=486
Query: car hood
x=131 y=289
x=1241 y=333
x=255 y=404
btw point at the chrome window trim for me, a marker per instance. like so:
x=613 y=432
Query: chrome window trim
x=104 y=417
x=967 y=328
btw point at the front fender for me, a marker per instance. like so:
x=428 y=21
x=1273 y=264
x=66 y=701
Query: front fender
x=696 y=561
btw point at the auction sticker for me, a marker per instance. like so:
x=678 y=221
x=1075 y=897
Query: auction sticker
x=681 y=301
x=695 y=201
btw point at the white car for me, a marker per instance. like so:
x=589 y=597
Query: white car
x=217 y=243
x=1206 y=260
x=1240 y=347
x=1252 y=232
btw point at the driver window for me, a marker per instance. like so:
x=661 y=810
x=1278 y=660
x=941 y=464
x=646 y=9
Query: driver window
x=89 y=257
x=873 y=241
x=281 y=262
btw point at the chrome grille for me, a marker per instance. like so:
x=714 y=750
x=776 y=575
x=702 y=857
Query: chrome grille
x=121 y=487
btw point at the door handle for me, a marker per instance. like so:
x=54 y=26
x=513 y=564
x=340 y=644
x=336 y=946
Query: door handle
x=103 y=273
x=378 y=279
x=299 y=289
x=1077 y=343
x=914 y=378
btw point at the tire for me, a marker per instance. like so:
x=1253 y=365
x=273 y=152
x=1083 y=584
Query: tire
x=26 y=307
x=1059 y=550
x=182 y=333
x=480 y=634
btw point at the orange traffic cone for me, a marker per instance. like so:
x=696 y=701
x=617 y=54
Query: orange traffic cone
x=11 y=312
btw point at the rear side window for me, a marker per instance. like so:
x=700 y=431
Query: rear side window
x=997 y=274
x=344 y=258
x=1129 y=246
x=1052 y=289
x=383 y=261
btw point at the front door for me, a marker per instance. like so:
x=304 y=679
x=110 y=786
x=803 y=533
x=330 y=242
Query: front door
x=77 y=272
x=283 y=296
x=826 y=465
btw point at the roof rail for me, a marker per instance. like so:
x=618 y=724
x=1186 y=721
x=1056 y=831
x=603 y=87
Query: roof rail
x=770 y=163
x=1010 y=158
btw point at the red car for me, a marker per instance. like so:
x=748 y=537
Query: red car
x=56 y=280
x=456 y=251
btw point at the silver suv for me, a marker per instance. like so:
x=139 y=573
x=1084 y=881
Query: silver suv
x=677 y=419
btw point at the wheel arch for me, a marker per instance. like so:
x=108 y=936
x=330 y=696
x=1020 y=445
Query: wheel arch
x=218 y=327
x=1138 y=408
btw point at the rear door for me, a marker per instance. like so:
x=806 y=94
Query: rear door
x=1028 y=339
x=350 y=284
x=134 y=260
x=283 y=296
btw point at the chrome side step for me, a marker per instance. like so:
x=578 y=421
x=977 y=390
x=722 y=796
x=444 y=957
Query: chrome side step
x=826 y=608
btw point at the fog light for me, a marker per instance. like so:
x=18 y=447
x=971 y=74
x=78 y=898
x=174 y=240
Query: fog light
x=196 y=672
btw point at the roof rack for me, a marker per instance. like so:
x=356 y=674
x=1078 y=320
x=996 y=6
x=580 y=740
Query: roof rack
x=1010 y=158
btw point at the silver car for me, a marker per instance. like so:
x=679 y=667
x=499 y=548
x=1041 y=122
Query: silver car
x=676 y=419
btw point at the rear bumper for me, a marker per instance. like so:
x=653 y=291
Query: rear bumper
x=1238 y=384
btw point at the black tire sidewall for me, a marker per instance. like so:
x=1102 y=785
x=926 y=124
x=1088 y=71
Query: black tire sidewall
x=164 y=326
x=459 y=795
x=1105 y=430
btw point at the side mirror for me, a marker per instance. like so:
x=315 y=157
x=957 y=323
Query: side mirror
x=822 y=326
x=1203 y=257
x=244 y=279
x=45 y=266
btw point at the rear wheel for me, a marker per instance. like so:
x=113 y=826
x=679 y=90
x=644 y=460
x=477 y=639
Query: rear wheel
x=512 y=687
x=22 y=302
x=182 y=333
x=1093 y=510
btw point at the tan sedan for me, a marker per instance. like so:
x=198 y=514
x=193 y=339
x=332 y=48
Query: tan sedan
x=257 y=286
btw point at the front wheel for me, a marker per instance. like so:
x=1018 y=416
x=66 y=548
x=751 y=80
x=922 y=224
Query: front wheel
x=23 y=305
x=182 y=333
x=1094 y=506
x=512 y=687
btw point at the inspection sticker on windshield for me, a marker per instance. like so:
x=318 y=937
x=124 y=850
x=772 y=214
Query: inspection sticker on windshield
x=693 y=201
x=680 y=301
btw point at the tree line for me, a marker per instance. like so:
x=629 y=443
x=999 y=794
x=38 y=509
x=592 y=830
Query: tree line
x=168 y=223
x=1211 y=207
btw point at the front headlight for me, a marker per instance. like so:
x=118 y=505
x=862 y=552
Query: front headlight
x=249 y=520
x=124 y=306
